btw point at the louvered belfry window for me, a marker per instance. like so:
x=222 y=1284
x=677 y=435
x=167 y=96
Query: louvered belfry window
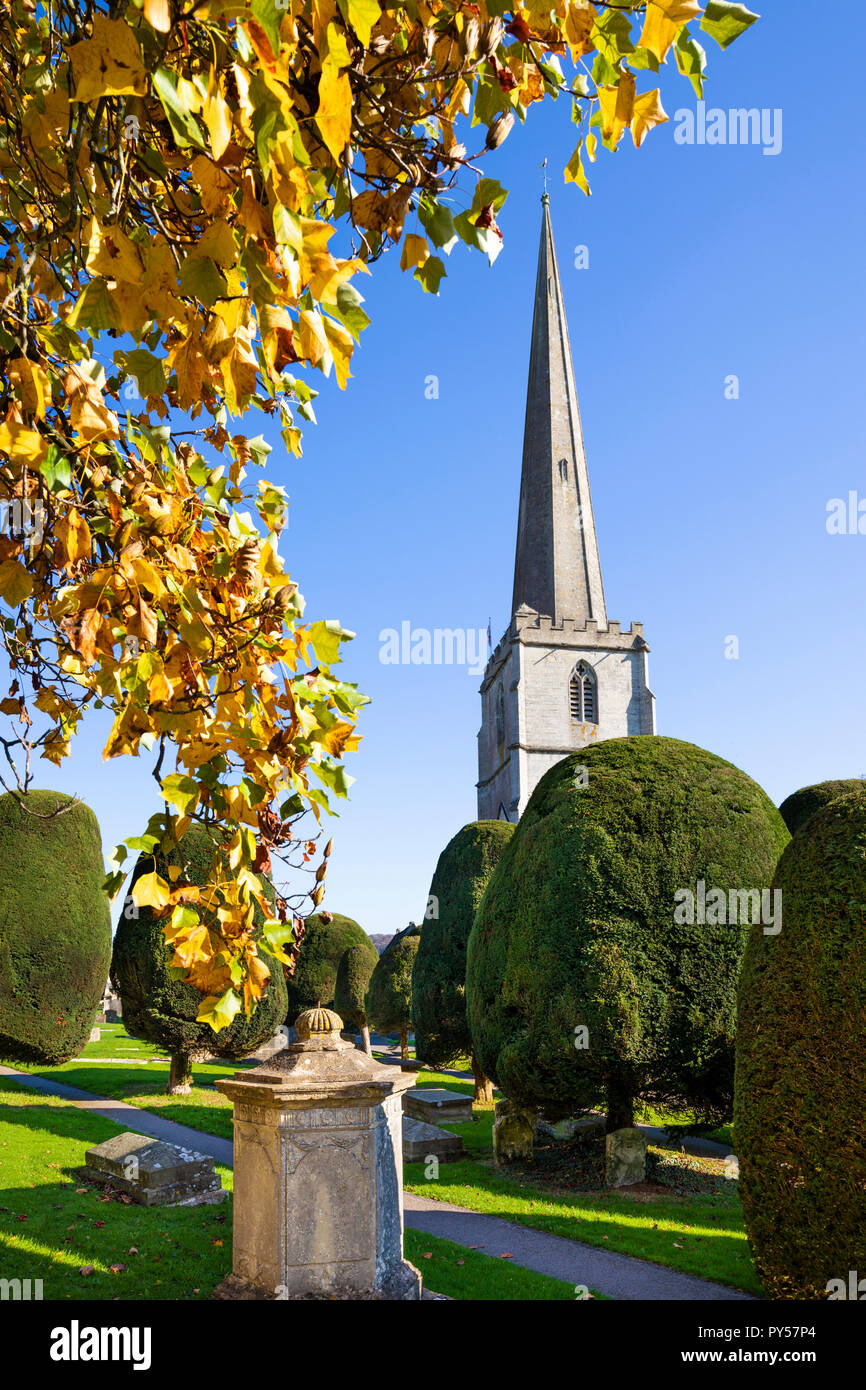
x=583 y=694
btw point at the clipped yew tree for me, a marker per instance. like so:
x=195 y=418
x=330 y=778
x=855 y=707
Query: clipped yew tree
x=55 y=926
x=327 y=937
x=350 y=991
x=582 y=988
x=147 y=973
x=801 y=1065
x=439 y=977
x=389 y=996
x=796 y=809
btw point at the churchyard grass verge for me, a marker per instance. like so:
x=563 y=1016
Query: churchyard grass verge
x=479 y=1277
x=52 y=1226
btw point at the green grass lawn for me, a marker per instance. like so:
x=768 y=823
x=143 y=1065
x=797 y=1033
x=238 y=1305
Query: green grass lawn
x=52 y=1226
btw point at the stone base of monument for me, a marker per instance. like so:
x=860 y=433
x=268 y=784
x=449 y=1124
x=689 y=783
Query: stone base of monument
x=437 y=1106
x=422 y=1141
x=405 y=1286
x=152 y=1173
x=625 y=1157
x=513 y=1132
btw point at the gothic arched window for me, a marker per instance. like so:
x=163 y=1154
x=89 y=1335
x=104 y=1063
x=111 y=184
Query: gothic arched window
x=563 y=470
x=583 y=694
x=500 y=716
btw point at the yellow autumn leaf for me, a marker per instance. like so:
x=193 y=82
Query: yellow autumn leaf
x=364 y=15
x=149 y=890
x=334 y=114
x=415 y=251
x=617 y=107
x=664 y=19
x=73 y=534
x=158 y=14
x=108 y=63
x=31 y=384
x=574 y=172
x=311 y=335
x=342 y=346
x=21 y=445
x=16 y=585
x=218 y=119
x=648 y=112
x=579 y=22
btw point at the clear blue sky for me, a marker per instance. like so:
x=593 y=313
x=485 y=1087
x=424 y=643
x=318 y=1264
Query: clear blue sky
x=704 y=261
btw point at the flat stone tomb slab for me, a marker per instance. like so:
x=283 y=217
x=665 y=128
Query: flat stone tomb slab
x=153 y=1173
x=422 y=1141
x=437 y=1106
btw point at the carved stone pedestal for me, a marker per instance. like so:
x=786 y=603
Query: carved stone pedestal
x=318 y=1207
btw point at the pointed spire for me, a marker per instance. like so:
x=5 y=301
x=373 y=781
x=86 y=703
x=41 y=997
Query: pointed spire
x=556 y=570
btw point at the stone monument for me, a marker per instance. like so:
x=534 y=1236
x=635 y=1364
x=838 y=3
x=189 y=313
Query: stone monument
x=318 y=1201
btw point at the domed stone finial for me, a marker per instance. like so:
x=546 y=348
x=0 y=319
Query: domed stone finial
x=318 y=1023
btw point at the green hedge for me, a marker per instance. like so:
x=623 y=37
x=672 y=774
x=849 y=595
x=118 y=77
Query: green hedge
x=796 y=809
x=576 y=930
x=55 y=928
x=439 y=975
x=323 y=946
x=801 y=1064
x=389 y=996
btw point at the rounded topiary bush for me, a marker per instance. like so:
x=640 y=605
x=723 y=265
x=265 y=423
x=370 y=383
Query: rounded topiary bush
x=585 y=987
x=389 y=995
x=55 y=927
x=796 y=809
x=439 y=976
x=350 y=991
x=162 y=1009
x=801 y=1064
x=327 y=937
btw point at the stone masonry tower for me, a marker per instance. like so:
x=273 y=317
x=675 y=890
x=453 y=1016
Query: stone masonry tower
x=563 y=675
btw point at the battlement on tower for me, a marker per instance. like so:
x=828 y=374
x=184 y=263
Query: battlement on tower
x=534 y=629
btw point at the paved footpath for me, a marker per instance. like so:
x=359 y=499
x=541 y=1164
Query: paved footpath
x=617 y=1276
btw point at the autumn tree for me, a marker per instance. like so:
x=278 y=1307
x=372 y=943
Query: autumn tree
x=173 y=177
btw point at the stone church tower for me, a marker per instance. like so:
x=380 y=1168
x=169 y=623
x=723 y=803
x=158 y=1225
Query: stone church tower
x=563 y=675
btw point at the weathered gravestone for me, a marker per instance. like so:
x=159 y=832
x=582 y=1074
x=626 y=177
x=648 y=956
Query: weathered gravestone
x=318 y=1203
x=625 y=1157
x=422 y=1141
x=436 y=1105
x=153 y=1173
x=513 y=1132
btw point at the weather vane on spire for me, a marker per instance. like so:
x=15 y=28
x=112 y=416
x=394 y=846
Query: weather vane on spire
x=545 y=197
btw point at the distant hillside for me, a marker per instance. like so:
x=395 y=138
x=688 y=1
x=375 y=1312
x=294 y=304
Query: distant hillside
x=380 y=941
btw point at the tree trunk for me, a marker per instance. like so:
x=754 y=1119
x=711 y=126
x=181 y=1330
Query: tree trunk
x=483 y=1084
x=180 y=1075
x=404 y=1043
x=620 y=1107
x=364 y=1030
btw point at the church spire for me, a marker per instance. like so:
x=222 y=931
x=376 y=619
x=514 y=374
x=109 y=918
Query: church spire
x=556 y=570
